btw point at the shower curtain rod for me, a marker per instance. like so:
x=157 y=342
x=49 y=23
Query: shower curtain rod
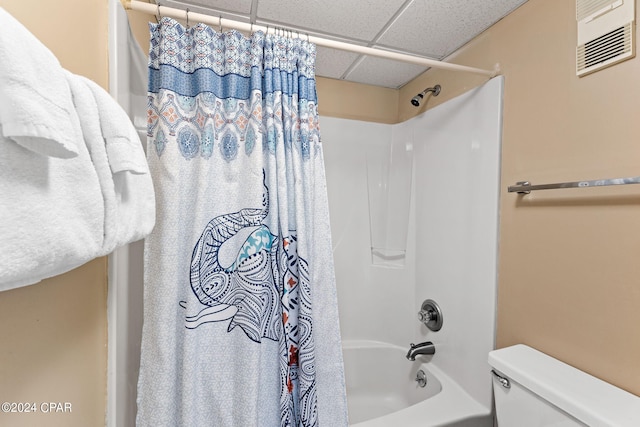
x=153 y=9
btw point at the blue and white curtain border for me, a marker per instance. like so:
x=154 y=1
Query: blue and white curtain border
x=244 y=74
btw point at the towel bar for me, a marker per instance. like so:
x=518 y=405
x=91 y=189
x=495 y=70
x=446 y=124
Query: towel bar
x=525 y=187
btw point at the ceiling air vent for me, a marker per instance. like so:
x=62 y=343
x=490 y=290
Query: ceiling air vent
x=605 y=33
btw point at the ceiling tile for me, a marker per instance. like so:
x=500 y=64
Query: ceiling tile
x=384 y=72
x=242 y=7
x=437 y=28
x=333 y=63
x=358 y=19
x=430 y=28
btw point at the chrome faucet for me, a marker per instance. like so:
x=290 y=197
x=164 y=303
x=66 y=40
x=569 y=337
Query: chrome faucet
x=426 y=347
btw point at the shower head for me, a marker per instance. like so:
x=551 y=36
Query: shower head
x=415 y=101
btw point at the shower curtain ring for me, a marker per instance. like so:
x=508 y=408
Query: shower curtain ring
x=159 y=15
x=187 y=18
x=220 y=22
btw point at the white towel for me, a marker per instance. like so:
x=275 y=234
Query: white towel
x=74 y=182
x=134 y=193
x=36 y=109
x=51 y=213
x=51 y=210
x=87 y=108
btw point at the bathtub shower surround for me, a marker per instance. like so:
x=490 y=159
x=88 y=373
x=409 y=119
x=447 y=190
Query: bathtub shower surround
x=240 y=311
x=451 y=256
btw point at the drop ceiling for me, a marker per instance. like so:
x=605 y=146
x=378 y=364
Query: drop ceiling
x=431 y=28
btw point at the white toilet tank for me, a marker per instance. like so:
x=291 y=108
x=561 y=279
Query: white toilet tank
x=532 y=389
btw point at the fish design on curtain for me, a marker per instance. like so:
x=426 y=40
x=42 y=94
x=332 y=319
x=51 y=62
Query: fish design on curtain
x=231 y=270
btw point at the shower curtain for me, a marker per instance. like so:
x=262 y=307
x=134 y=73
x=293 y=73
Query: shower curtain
x=240 y=312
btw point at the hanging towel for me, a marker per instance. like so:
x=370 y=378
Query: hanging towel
x=90 y=124
x=120 y=161
x=51 y=214
x=74 y=183
x=123 y=144
x=36 y=111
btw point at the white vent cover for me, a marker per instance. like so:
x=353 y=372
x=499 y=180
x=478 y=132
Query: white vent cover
x=605 y=33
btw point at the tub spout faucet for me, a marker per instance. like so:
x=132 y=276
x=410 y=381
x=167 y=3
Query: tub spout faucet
x=426 y=347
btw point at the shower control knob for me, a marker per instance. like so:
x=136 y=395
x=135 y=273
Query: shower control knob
x=425 y=315
x=431 y=315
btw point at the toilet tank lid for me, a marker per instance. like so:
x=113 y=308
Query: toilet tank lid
x=587 y=398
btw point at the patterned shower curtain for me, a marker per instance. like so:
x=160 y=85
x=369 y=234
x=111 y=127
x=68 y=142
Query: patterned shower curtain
x=240 y=312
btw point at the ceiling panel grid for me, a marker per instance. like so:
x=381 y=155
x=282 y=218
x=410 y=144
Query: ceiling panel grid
x=431 y=28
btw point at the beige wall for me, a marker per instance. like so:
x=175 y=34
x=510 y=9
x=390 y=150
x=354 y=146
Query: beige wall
x=53 y=335
x=569 y=273
x=338 y=98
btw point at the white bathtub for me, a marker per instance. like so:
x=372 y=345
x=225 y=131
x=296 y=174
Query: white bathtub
x=382 y=391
